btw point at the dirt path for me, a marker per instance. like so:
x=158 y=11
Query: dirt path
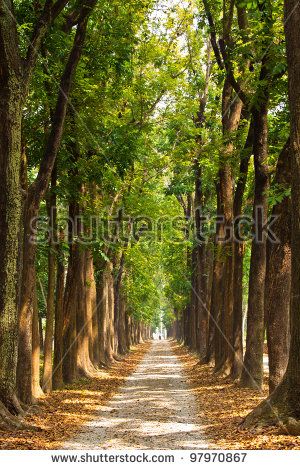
x=155 y=409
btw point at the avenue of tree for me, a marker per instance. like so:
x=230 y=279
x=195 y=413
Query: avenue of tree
x=150 y=171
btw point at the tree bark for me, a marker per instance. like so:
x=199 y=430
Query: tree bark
x=24 y=366
x=123 y=345
x=120 y=309
x=238 y=257
x=10 y=205
x=278 y=279
x=200 y=268
x=292 y=378
x=111 y=312
x=210 y=328
x=252 y=374
x=117 y=284
x=59 y=321
x=69 y=365
x=37 y=391
x=41 y=334
x=88 y=285
x=106 y=315
x=83 y=321
x=128 y=330
x=231 y=109
x=48 y=346
x=213 y=349
x=192 y=321
x=92 y=310
x=202 y=312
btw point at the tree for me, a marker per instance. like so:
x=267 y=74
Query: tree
x=35 y=193
x=283 y=403
x=15 y=79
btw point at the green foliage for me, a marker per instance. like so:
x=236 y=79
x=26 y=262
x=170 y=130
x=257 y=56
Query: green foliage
x=131 y=137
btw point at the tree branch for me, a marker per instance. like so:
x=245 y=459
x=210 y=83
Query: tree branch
x=47 y=17
x=229 y=72
x=41 y=183
x=222 y=59
x=213 y=35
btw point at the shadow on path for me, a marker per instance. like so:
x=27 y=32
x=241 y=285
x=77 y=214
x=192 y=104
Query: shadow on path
x=155 y=409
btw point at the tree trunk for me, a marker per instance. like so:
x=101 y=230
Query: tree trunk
x=84 y=317
x=24 y=367
x=59 y=321
x=209 y=280
x=92 y=310
x=122 y=344
x=135 y=332
x=202 y=312
x=83 y=322
x=111 y=311
x=10 y=213
x=278 y=279
x=128 y=329
x=139 y=333
x=48 y=346
x=186 y=314
x=90 y=301
x=252 y=374
x=105 y=303
x=10 y=207
x=200 y=268
x=213 y=349
x=192 y=321
x=36 y=387
x=69 y=365
x=231 y=109
x=41 y=334
x=117 y=294
x=292 y=15
x=120 y=308
x=238 y=257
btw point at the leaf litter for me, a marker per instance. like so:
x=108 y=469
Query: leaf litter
x=62 y=413
x=222 y=405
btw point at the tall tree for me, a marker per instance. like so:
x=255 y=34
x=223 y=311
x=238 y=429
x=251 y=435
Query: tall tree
x=15 y=80
x=35 y=194
x=252 y=374
x=283 y=405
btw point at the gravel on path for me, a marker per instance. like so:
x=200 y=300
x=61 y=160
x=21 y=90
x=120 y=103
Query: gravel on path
x=154 y=409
